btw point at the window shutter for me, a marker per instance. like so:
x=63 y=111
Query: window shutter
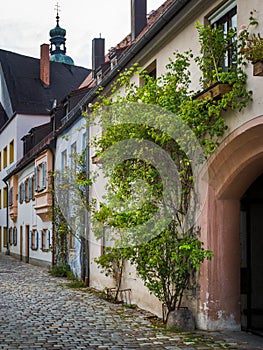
x=19 y=194
x=36 y=178
x=15 y=236
x=44 y=174
x=48 y=239
x=40 y=239
x=30 y=239
x=36 y=240
x=30 y=188
x=23 y=191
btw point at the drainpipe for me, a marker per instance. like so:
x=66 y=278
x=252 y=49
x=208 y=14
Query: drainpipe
x=7 y=220
x=87 y=216
x=53 y=204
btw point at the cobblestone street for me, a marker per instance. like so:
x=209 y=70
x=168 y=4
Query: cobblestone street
x=38 y=312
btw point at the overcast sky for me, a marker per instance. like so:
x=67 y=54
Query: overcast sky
x=25 y=25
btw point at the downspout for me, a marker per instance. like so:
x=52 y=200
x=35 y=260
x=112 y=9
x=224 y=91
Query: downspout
x=7 y=220
x=53 y=204
x=87 y=216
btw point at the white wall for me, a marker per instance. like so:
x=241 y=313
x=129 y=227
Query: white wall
x=75 y=134
x=15 y=130
x=27 y=216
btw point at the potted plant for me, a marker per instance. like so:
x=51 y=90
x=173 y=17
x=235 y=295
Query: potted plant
x=252 y=46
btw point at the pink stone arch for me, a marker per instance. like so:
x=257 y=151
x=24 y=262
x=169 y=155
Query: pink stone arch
x=234 y=167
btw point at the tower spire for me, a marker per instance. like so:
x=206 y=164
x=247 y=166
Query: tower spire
x=58 y=42
x=57 y=8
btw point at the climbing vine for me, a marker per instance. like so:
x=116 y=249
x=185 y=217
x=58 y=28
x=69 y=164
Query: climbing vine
x=135 y=188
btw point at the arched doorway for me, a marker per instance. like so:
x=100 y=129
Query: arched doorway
x=251 y=229
x=231 y=172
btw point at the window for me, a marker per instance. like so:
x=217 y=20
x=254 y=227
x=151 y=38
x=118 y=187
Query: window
x=151 y=71
x=5 y=197
x=84 y=141
x=5 y=157
x=99 y=76
x=40 y=177
x=15 y=236
x=226 y=18
x=11 y=152
x=5 y=237
x=64 y=160
x=0 y=199
x=0 y=161
x=34 y=239
x=114 y=62
x=27 y=190
x=72 y=242
x=73 y=151
x=45 y=238
x=20 y=193
x=106 y=240
x=11 y=197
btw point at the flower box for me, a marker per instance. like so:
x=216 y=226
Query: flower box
x=215 y=91
x=258 y=69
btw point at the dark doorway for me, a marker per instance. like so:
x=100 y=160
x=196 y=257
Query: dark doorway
x=21 y=243
x=27 y=244
x=252 y=257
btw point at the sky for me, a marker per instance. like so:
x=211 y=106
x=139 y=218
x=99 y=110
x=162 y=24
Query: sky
x=25 y=25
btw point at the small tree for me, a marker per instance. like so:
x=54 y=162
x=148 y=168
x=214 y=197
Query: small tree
x=167 y=264
x=112 y=264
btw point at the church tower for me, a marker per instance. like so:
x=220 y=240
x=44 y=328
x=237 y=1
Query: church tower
x=57 y=43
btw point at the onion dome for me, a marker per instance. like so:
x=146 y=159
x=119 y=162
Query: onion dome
x=57 y=44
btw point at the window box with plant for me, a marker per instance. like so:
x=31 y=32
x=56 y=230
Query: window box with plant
x=252 y=45
x=221 y=62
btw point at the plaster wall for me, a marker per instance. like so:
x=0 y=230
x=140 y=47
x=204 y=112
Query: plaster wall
x=15 y=130
x=77 y=133
x=27 y=216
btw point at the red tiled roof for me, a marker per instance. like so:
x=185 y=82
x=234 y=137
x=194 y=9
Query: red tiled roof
x=127 y=42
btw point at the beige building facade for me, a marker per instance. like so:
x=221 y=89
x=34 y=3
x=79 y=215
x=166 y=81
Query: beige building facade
x=231 y=284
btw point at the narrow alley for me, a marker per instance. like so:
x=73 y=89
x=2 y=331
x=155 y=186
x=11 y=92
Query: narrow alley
x=38 y=311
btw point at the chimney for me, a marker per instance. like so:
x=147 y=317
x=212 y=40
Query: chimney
x=98 y=53
x=138 y=17
x=44 y=65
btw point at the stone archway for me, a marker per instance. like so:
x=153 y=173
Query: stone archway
x=234 y=167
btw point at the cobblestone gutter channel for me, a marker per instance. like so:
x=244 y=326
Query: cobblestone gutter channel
x=38 y=311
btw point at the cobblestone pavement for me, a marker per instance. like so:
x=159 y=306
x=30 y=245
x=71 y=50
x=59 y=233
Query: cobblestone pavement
x=38 y=312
